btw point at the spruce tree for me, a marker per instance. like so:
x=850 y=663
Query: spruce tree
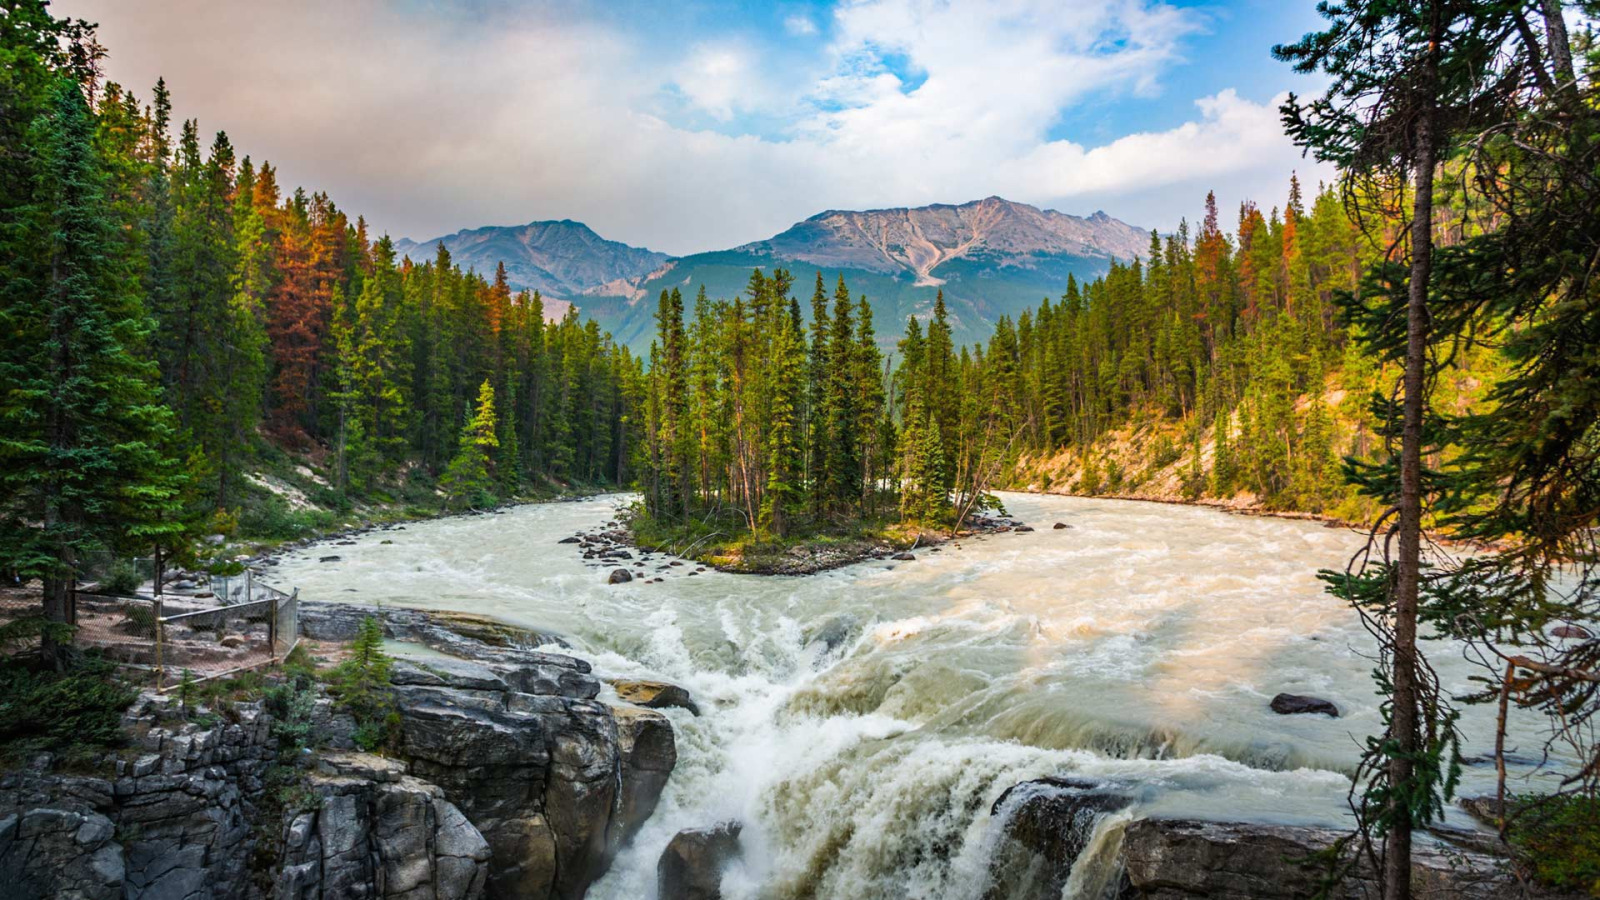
x=83 y=434
x=843 y=436
x=468 y=477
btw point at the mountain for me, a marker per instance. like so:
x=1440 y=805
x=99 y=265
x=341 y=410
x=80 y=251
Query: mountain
x=991 y=257
x=560 y=259
x=993 y=231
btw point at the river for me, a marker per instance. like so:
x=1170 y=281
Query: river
x=1141 y=645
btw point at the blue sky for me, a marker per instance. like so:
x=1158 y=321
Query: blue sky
x=688 y=126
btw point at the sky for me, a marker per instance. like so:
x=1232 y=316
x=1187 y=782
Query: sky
x=691 y=125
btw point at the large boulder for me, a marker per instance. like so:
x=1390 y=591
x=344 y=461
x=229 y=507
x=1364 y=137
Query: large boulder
x=1175 y=859
x=655 y=695
x=692 y=865
x=1046 y=825
x=1294 y=704
x=649 y=754
x=555 y=781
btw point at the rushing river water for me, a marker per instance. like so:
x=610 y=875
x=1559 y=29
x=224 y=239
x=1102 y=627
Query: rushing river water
x=1141 y=645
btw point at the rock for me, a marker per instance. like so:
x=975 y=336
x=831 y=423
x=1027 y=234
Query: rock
x=1060 y=525
x=1294 y=704
x=833 y=632
x=546 y=779
x=1022 y=528
x=570 y=540
x=1485 y=808
x=904 y=556
x=1175 y=859
x=60 y=853
x=655 y=695
x=376 y=832
x=616 y=554
x=233 y=640
x=327 y=559
x=1569 y=631
x=1047 y=823
x=649 y=754
x=691 y=867
x=506 y=779
x=619 y=576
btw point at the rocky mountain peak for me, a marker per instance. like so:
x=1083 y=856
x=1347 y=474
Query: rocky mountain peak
x=918 y=240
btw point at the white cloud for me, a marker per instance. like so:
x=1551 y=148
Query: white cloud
x=427 y=127
x=800 y=26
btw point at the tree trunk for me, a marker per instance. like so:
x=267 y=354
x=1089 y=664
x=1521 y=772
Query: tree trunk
x=1397 y=855
x=1560 y=49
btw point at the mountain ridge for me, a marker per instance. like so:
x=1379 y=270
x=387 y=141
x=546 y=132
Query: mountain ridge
x=991 y=257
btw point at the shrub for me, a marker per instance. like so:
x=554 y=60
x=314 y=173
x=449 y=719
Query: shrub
x=291 y=705
x=1559 y=837
x=361 y=685
x=52 y=711
x=124 y=578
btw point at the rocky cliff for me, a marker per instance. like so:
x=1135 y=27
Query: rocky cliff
x=507 y=779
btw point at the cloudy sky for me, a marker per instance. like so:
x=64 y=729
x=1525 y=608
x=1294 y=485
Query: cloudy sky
x=686 y=125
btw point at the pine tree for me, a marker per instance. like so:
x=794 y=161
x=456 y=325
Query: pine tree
x=83 y=434
x=468 y=477
x=843 y=450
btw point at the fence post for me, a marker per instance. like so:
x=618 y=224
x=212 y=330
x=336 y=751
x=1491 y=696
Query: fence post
x=161 y=633
x=272 y=626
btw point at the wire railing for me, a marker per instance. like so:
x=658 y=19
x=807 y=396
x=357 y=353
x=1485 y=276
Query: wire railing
x=171 y=637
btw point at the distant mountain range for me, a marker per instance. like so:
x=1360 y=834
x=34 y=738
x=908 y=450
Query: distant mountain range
x=991 y=257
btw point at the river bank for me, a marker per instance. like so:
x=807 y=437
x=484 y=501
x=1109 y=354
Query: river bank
x=806 y=554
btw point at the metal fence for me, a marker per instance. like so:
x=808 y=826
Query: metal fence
x=168 y=636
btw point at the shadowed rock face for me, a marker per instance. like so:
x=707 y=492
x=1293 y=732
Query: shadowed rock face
x=917 y=241
x=1176 y=859
x=1046 y=825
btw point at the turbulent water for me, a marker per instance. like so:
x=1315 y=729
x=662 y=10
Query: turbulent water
x=1141 y=646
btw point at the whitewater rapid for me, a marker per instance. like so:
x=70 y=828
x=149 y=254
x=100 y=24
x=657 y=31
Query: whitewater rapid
x=862 y=722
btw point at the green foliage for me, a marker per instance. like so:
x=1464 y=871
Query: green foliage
x=78 y=708
x=185 y=691
x=468 y=478
x=19 y=633
x=361 y=685
x=124 y=578
x=1558 y=837
x=292 y=704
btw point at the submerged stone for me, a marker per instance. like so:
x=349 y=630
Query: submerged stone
x=1294 y=704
